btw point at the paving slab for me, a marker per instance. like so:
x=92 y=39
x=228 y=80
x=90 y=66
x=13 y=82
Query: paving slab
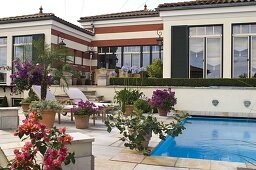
x=193 y=163
x=153 y=167
x=113 y=165
x=215 y=165
x=127 y=157
x=162 y=161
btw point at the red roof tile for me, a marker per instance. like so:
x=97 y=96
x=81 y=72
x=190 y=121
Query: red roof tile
x=205 y=4
x=121 y=15
x=39 y=17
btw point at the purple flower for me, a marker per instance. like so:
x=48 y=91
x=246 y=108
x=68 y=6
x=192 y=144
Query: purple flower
x=84 y=108
x=135 y=69
x=113 y=73
x=164 y=99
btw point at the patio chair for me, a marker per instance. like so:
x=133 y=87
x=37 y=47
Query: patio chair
x=76 y=95
x=51 y=96
x=3 y=159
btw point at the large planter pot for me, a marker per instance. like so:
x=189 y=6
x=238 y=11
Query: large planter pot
x=146 y=137
x=136 y=75
x=128 y=110
x=82 y=122
x=48 y=118
x=162 y=112
x=83 y=81
x=74 y=81
x=25 y=107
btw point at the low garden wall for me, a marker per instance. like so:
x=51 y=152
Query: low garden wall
x=240 y=101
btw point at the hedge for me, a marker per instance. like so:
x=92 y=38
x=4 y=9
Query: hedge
x=238 y=82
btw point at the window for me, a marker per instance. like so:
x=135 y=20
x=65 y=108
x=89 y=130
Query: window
x=23 y=47
x=244 y=51
x=141 y=56
x=3 y=59
x=205 y=52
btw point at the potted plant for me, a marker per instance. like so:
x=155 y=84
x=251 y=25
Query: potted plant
x=82 y=112
x=163 y=100
x=26 y=101
x=125 y=71
x=137 y=130
x=126 y=99
x=82 y=78
x=144 y=105
x=47 y=109
x=135 y=71
x=48 y=144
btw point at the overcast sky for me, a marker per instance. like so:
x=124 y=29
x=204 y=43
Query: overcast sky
x=72 y=10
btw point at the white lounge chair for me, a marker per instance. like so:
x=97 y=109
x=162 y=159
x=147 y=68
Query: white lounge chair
x=77 y=95
x=50 y=96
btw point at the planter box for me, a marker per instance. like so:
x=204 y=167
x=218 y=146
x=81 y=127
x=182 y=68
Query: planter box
x=82 y=146
x=9 y=118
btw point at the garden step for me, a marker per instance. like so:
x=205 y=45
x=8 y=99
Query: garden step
x=94 y=98
x=89 y=92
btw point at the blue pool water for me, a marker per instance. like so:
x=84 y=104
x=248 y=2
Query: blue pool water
x=224 y=139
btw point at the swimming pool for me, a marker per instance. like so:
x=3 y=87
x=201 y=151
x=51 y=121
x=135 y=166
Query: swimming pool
x=224 y=139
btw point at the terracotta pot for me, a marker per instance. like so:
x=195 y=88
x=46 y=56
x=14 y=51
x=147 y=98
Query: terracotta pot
x=74 y=81
x=25 y=107
x=83 y=81
x=128 y=110
x=82 y=122
x=162 y=112
x=48 y=118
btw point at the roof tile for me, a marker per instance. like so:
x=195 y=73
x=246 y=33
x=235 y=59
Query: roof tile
x=121 y=15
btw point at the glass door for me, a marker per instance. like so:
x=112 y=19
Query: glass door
x=213 y=59
x=241 y=57
x=196 y=57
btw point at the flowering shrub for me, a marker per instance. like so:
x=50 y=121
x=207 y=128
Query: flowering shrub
x=27 y=74
x=135 y=69
x=84 y=108
x=164 y=99
x=50 y=143
x=113 y=74
x=125 y=69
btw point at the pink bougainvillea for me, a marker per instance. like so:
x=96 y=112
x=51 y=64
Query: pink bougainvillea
x=50 y=143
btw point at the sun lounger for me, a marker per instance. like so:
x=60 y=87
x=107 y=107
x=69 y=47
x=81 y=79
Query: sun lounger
x=50 y=96
x=76 y=95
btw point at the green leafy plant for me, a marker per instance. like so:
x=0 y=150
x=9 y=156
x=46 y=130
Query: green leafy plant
x=155 y=69
x=143 y=105
x=192 y=82
x=39 y=106
x=31 y=97
x=137 y=130
x=127 y=97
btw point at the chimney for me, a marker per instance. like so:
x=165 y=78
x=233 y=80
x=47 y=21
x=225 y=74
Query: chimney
x=145 y=7
x=40 y=10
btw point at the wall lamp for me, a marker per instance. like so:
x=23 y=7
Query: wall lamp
x=60 y=41
x=159 y=39
x=215 y=102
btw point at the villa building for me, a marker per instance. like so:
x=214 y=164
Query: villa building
x=195 y=39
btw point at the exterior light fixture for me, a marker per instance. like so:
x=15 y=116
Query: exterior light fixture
x=60 y=41
x=159 y=39
x=247 y=103
x=215 y=102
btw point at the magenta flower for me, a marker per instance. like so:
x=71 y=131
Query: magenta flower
x=164 y=99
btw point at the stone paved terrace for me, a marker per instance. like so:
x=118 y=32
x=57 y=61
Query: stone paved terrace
x=110 y=154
